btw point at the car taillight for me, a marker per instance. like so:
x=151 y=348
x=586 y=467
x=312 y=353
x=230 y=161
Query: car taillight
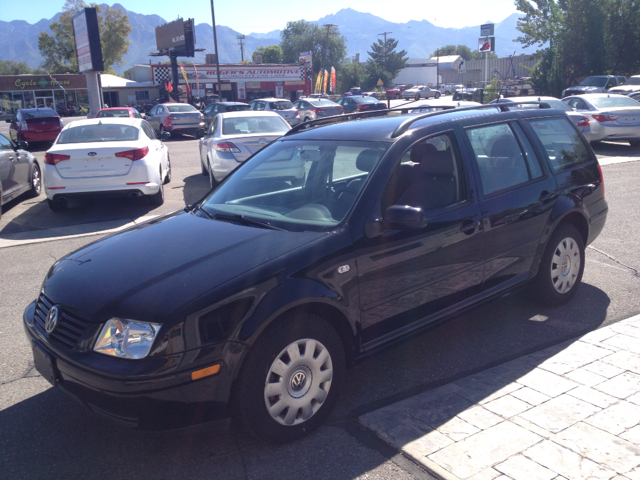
x=362 y=107
x=167 y=121
x=226 y=147
x=135 y=154
x=316 y=110
x=601 y=179
x=341 y=109
x=53 y=158
x=297 y=113
x=584 y=122
x=604 y=118
x=24 y=126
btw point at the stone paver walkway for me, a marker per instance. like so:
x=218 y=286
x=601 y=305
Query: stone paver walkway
x=571 y=412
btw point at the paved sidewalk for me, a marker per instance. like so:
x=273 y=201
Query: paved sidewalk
x=571 y=412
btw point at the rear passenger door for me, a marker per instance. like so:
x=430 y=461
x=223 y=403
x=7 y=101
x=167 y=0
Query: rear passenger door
x=517 y=197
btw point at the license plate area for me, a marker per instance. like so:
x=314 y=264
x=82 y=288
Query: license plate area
x=44 y=363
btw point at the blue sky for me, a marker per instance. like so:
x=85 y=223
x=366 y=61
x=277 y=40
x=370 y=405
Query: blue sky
x=261 y=16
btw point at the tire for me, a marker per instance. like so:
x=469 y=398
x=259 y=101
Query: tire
x=205 y=172
x=157 y=198
x=36 y=182
x=561 y=267
x=306 y=119
x=162 y=129
x=57 y=205
x=634 y=143
x=167 y=178
x=212 y=180
x=437 y=95
x=417 y=97
x=285 y=406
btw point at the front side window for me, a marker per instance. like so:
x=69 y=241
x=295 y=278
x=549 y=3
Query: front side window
x=298 y=185
x=562 y=143
x=504 y=156
x=5 y=144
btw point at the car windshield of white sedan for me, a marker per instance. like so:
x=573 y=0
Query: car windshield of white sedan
x=614 y=101
x=248 y=125
x=101 y=132
x=181 y=108
x=297 y=185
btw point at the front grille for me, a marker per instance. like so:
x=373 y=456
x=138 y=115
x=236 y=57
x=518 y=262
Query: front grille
x=69 y=329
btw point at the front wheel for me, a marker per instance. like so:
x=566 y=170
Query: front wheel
x=36 y=181
x=561 y=267
x=417 y=97
x=437 y=94
x=290 y=380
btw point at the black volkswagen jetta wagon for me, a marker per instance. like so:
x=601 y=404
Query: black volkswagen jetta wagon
x=252 y=302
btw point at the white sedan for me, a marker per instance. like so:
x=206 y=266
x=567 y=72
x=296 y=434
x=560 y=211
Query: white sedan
x=233 y=137
x=106 y=157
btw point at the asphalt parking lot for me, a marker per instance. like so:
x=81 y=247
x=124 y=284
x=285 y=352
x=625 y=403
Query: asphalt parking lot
x=43 y=434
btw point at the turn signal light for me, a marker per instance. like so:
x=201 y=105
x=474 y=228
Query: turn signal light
x=53 y=158
x=205 y=372
x=135 y=154
x=584 y=122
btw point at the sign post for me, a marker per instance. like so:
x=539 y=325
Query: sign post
x=89 y=54
x=486 y=44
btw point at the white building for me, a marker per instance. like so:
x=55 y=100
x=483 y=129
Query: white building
x=425 y=71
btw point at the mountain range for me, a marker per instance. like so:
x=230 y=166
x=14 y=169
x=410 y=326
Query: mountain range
x=19 y=39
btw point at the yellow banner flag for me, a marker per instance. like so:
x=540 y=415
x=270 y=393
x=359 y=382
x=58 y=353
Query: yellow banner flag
x=318 y=82
x=324 y=84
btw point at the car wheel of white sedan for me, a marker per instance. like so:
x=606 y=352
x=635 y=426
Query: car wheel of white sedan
x=157 y=198
x=167 y=178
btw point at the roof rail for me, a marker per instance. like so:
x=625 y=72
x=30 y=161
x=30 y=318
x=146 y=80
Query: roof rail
x=404 y=126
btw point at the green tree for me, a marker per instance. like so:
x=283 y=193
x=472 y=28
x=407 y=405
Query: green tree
x=328 y=48
x=58 y=49
x=386 y=59
x=9 y=67
x=462 y=50
x=270 y=54
x=350 y=75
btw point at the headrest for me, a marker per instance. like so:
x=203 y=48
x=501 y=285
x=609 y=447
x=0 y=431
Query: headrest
x=438 y=164
x=505 y=146
x=421 y=151
x=368 y=159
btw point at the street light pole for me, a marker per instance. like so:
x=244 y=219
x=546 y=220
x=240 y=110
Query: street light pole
x=215 y=47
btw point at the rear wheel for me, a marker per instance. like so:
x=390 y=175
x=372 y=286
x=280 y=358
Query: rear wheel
x=157 y=198
x=212 y=180
x=57 y=205
x=437 y=94
x=290 y=380
x=36 y=181
x=417 y=97
x=561 y=267
x=167 y=178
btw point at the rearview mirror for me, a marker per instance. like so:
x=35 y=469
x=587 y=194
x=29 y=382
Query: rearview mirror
x=403 y=217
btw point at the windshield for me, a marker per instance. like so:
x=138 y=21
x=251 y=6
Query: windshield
x=41 y=112
x=594 y=82
x=247 y=125
x=614 y=101
x=298 y=185
x=633 y=81
x=100 y=132
x=113 y=113
x=181 y=109
x=281 y=105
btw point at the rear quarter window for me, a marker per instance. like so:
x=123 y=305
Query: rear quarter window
x=562 y=143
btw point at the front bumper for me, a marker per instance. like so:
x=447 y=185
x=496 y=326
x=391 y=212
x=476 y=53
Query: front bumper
x=143 y=401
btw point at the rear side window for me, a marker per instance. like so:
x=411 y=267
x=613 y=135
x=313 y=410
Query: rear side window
x=562 y=143
x=504 y=155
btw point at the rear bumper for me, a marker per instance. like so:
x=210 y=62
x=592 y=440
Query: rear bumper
x=28 y=136
x=613 y=132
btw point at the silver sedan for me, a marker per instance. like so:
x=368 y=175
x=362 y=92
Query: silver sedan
x=233 y=137
x=176 y=118
x=611 y=117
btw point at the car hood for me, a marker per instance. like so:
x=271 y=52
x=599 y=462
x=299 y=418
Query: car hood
x=150 y=270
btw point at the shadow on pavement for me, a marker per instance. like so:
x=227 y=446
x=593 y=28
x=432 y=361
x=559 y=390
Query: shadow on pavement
x=615 y=149
x=195 y=188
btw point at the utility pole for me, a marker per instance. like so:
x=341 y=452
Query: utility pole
x=240 y=39
x=215 y=47
x=324 y=49
x=385 y=47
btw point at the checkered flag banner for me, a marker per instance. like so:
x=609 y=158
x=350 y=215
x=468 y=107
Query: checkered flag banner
x=161 y=75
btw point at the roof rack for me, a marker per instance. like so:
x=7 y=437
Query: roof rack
x=503 y=106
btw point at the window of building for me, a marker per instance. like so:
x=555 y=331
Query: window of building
x=142 y=95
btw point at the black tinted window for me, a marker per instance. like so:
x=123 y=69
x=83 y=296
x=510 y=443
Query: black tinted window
x=561 y=141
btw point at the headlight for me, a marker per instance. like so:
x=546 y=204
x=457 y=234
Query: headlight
x=126 y=338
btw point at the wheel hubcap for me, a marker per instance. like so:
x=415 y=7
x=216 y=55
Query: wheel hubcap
x=565 y=265
x=298 y=382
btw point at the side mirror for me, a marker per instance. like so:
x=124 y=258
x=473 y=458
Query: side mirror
x=143 y=115
x=403 y=217
x=165 y=135
x=200 y=133
x=22 y=145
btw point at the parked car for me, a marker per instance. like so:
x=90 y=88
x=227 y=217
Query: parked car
x=396 y=92
x=106 y=157
x=282 y=107
x=420 y=91
x=233 y=137
x=35 y=125
x=210 y=98
x=358 y=103
x=176 y=118
x=582 y=121
x=311 y=108
x=254 y=300
x=213 y=109
x=611 y=117
x=635 y=96
x=595 y=84
x=118 y=112
x=19 y=171
x=630 y=86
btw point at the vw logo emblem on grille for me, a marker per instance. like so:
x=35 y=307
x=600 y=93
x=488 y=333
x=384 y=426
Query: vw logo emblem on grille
x=298 y=380
x=52 y=319
x=92 y=154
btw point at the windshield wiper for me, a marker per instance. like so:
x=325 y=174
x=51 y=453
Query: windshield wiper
x=191 y=208
x=246 y=221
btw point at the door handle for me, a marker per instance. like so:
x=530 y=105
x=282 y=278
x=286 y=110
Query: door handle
x=469 y=226
x=545 y=196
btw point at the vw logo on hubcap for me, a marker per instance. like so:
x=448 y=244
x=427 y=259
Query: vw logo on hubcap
x=565 y=265
x=52 y=319
x=298 y=380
